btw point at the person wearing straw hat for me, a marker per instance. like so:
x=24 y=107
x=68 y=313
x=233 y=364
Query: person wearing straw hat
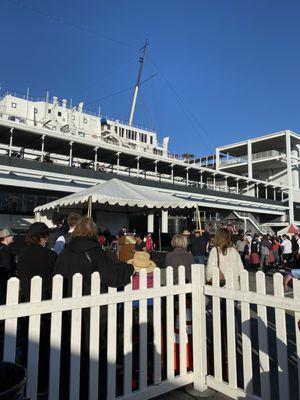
x=140 y=260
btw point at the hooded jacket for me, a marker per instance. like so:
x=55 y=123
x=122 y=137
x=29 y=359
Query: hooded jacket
x=85 y=256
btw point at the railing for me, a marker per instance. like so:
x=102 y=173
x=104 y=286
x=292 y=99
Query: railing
x=267 y=154
x=234 y=160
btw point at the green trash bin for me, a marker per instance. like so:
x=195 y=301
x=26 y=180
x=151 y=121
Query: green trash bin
x=12 y=381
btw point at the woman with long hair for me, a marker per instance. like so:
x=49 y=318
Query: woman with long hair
x=224 y=256
x=85 y=256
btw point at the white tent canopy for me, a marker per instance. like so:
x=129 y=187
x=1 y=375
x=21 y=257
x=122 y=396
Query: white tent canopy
x=118 y=192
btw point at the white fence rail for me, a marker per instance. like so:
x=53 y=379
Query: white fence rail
x=245 y=343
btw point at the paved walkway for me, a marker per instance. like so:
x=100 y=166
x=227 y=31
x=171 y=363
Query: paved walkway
x=180 y=394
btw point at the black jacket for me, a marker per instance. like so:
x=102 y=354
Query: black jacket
x=84 y=256
x=7 y=264
x=34 y=260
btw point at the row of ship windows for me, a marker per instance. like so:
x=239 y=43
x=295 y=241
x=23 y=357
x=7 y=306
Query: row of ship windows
x=129 y=133
x=35 y=110
x=132 y=134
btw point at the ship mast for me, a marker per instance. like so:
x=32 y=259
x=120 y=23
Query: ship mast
x=137 y=85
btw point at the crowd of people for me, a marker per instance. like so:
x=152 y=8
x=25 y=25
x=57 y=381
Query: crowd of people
x=76 y=245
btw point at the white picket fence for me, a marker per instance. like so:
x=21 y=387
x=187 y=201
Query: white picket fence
x=206 y=309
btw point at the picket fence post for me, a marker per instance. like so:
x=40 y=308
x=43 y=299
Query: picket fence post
x=199 y=328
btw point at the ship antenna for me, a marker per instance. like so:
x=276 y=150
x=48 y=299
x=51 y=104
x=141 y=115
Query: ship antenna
x=137 y=85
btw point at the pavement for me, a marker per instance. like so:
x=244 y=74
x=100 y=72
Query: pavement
x=180 y=394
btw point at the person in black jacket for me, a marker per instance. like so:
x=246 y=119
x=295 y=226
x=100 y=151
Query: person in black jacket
x=85 y=256
x=7 y=261
x=36 y=259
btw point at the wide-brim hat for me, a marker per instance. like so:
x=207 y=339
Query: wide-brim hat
x=140 y=260
x=198 y=231
x=186 y=233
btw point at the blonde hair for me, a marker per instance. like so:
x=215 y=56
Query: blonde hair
x=222 y=240
x=179 y=241
x=86 y=227
x=73 y=219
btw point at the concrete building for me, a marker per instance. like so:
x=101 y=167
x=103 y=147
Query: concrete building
x=273 y=159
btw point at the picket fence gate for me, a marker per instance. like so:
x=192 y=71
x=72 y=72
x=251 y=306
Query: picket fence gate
x=206 y=309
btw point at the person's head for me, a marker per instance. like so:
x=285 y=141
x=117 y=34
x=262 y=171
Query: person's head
x=138 y=238
x=85 y=227
x=284 y=237
x=58 y=218
x=179 y=241
x=264 y=237
x=222 y=240
x=197 y=233
x=73 y=220
x=6 y=236
x=38 y=233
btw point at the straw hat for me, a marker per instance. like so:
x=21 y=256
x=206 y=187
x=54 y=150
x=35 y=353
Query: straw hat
x=198 y=231
x=141 y=259
x=186 y=233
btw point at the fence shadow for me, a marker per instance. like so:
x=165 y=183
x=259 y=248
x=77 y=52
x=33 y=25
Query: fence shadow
x=29 y=353
x=283 y=374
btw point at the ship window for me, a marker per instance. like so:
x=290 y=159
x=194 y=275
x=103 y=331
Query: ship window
x=151 y=139
x=35 y=110
x=84 y=120
x=49 y=111
x=59 y=113
x=14 y=105
x=82 y=134
x=116 y=129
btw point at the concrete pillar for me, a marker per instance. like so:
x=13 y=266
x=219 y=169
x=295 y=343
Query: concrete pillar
x=217 y=158
x=96 y=158
x=187 y=177
x=289 y=175
x=237 y=186
x=118 y=162
x=150 y=223
x=249 y=152
x=274 y=193
x=71 y=154
x=164 y=221
x=137 y=167
x=172 y=173
x=295 y=168
x=155 y=169
x=10 y=141
x=201 y=179
x=43 y=148
x=214 y=182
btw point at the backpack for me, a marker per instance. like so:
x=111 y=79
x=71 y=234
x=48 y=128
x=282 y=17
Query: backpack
x=68 y=238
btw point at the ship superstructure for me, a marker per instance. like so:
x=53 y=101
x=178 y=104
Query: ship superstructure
x=48 y=149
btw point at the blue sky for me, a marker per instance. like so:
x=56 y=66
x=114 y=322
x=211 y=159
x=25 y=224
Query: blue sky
x=226 y=70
